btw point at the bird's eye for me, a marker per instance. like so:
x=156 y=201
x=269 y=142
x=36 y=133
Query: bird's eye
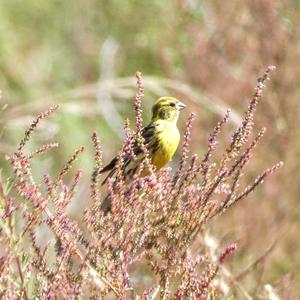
x=173 y=104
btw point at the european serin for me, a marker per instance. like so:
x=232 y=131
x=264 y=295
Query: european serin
x=161 y=138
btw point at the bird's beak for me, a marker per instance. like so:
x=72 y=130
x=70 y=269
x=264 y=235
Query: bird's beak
x=181 y=106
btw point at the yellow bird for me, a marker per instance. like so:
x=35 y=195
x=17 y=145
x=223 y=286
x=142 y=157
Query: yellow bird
x=161 y=138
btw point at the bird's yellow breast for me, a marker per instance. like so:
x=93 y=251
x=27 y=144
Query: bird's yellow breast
x=168 y=140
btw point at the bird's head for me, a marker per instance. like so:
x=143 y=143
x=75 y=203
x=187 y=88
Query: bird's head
x=167 y=108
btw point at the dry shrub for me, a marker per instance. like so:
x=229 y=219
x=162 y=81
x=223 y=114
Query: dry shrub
x=155 y=222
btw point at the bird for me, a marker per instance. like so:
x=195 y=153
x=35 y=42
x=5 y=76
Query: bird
x=160 y=137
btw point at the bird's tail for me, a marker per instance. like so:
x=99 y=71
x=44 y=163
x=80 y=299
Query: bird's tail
x=106 y=205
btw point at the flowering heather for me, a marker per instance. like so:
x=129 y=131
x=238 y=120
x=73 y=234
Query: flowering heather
x=153 y=224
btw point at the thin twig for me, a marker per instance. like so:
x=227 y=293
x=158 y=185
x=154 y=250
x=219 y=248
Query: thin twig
x=256 y=262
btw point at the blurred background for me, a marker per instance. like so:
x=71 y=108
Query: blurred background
x=83 y=55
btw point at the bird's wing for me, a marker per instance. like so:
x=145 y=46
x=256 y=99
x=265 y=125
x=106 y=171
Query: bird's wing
x=149 y=134
x=150 y=142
